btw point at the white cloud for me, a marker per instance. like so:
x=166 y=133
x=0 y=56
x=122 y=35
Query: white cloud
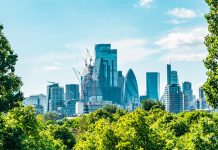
x=51 y=68
x=176 y=40
x=182 y=13
x=176 y=21
x=132 y=50
x=183 y=46
x=145 y=3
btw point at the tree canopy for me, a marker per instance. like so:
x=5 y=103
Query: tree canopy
x=211 y=62
x=10 y=84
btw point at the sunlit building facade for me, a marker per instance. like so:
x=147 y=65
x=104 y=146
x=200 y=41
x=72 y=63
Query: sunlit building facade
x=153 y=85
x=131 y=94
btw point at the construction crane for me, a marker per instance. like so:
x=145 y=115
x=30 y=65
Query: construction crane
x=90 y=57
x=51 y=82
x=76 y=72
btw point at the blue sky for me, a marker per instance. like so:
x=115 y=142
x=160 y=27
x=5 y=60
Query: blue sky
x=50 y=37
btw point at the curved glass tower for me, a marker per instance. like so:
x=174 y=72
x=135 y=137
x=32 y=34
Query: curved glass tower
x=131 y=93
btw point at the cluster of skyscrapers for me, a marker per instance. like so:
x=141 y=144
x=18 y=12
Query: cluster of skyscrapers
x=177 y=99
x=101 y=83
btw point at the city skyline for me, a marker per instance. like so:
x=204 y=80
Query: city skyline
x=55 y=36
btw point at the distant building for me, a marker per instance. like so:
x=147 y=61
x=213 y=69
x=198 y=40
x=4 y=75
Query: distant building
x=55 y=97
x=87 y=107
x=131 y=94
x=153 y=85
x=173 y=98
x=120 y=84
x=38 y=102
x=174 y=77
x=168 y=74
x=72 y=92
x=188 y=103
x=69 y=108
x=197 y=104
x=100 y=82
x=109 y=57
x=202 y=99
x=79 y=108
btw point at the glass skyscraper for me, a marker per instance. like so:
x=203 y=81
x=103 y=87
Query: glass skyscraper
x=168 y=74
x=72 y=92
x=173 y=98
x=109 y=59
x=153 y=85
x=174 y=77
x=131 y=93
x=188 y=102
x=55 y=97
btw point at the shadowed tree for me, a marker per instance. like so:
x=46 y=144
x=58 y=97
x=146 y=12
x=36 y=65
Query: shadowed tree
x=10 y=84
x=211 y=62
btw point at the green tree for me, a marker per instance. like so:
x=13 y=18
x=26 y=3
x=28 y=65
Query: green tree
x=62 y=133
x=51 y=116
x=134 y=133
x=22 y=129
x=211 y=62
x=10 y=84
x=150 y=104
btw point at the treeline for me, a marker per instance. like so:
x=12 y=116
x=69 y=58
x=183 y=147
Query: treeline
x=110 y=128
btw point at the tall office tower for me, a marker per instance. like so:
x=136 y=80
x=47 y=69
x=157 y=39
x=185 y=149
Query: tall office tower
x=174 y=77
x=202 y=98
x=153 y=85
x=71 y=96
x=188 y=102
x=168 y=74
x=120 y=84
x=55 y=97
x=72 y=92
x=109 y=59
x=173 y=98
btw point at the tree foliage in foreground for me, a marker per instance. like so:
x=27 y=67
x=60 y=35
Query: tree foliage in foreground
x=211 y=62
x=110 y=128
x=10 y=84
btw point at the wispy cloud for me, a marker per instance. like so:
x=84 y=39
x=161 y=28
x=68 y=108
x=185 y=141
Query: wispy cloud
x=183 y=46
x=182 y=13
x=133 y=50
x=176 y=40
x=183 y=57
x=144 y=3
x=51 y=68
x=176 y=21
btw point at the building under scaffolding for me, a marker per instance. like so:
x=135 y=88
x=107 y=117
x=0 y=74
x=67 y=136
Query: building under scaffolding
x=101 y=81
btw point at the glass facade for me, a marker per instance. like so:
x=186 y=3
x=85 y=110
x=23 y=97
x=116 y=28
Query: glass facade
x=173 y=98
x=168 y=74
x=153 y=85
x=174 y=77
x=130 y=88
x=109 y=57
x=55 y=97
x=188 y=102
x=72 y=92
